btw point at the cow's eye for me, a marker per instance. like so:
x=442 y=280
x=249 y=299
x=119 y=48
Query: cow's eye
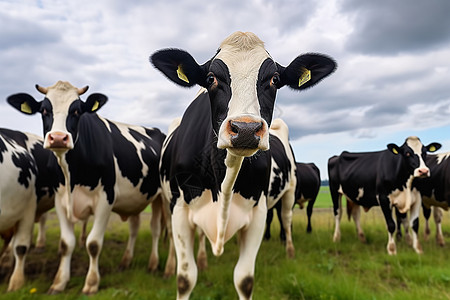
x=275 y=80
x=76 y=112
x=408 y=154
x=44 y=112
x=210 y=79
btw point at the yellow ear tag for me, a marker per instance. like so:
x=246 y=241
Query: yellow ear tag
x=95 y=106
x=394 y=151
x=181 y=74
x=25 y=108
x=432 y=149
x=305 y=77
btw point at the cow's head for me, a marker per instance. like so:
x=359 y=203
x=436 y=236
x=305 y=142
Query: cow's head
x=61 y=110
x=242 y=80
x=414 y=154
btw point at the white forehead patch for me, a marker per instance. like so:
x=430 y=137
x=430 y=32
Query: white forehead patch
x=415 y=144
x=61 y=95
x=243 y=53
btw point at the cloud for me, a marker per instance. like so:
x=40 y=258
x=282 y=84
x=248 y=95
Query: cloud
x=395 y=27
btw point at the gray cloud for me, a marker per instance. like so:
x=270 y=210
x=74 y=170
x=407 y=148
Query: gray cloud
x=392 y=27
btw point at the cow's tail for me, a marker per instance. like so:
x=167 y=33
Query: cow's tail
x=233 y=164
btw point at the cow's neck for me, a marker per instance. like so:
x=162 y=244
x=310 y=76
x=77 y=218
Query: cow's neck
x=233 y=165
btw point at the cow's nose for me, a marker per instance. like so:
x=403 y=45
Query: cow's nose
x=245 y=134
x=423 y=172
x=58 y=140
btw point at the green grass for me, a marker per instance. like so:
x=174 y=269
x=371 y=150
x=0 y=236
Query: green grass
x=323 y=199
x=321 y=270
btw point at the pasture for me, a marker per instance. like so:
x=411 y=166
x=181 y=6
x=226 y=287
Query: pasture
x=321 y=269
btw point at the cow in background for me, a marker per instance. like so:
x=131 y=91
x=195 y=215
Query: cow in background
x=30 y=178
x=306 y=190
x=435 y=192
x=384 y=178
x=215 y=167
x=109 y=166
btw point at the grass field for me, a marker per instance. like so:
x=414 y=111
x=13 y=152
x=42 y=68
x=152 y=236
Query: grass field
x=321 y=269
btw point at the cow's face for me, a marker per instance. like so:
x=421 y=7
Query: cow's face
x=61 y=110
x=414 y=154
x=242 y=80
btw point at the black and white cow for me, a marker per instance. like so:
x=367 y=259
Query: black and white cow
x=282 y=186
x=109 y=166
x=283 y=181
x=306 y=190
x=29 y=179
x=382 y=178
x=215 y=166
x=435 y=191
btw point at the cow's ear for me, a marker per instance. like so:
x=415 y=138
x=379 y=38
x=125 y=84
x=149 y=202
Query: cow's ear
x=94 y=102
x=306 y=70
x=394 y=148
x=24 y=103
x=179 y=66
x=433 y=147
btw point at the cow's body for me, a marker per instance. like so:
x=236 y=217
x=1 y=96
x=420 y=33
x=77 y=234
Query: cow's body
x=306 y=190
x=209 y=170
x=283 y=181
x=109 y=166
x=435 y=191
x=382 y=178
x=29 y=179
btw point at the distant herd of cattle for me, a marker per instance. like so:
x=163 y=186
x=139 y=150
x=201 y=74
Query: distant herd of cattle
x=222 y=169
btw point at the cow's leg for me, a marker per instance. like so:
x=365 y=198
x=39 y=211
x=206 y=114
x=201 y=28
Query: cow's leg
x=437 y=214
x=133 y=225
x=6 y=255
x=426 y=215
x=155 y=226
x=309 y=211
x=94 y=245
x=183 y=237
x=287 y=204
x=414 y=223
x=390 y=223
x=171 y=262
x=66 y=246
x=402 y=219
x=337 y=210
x=356 y=215
x=41 y=237
x=249 y=243
x=21 y=245
x=83 y=234
x=202 y=258
x=280 y=219
x=268 y=223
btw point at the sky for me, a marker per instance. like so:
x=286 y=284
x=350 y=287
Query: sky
x=392 y=80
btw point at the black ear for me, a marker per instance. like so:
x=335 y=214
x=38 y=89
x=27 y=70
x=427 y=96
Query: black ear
x=94 y=102
x=306 y=70
x=394 y=148
x=24 y=103
x=433 y=147
x=179 y=66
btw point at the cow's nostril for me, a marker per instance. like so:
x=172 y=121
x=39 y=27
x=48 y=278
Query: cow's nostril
x=234 y=127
